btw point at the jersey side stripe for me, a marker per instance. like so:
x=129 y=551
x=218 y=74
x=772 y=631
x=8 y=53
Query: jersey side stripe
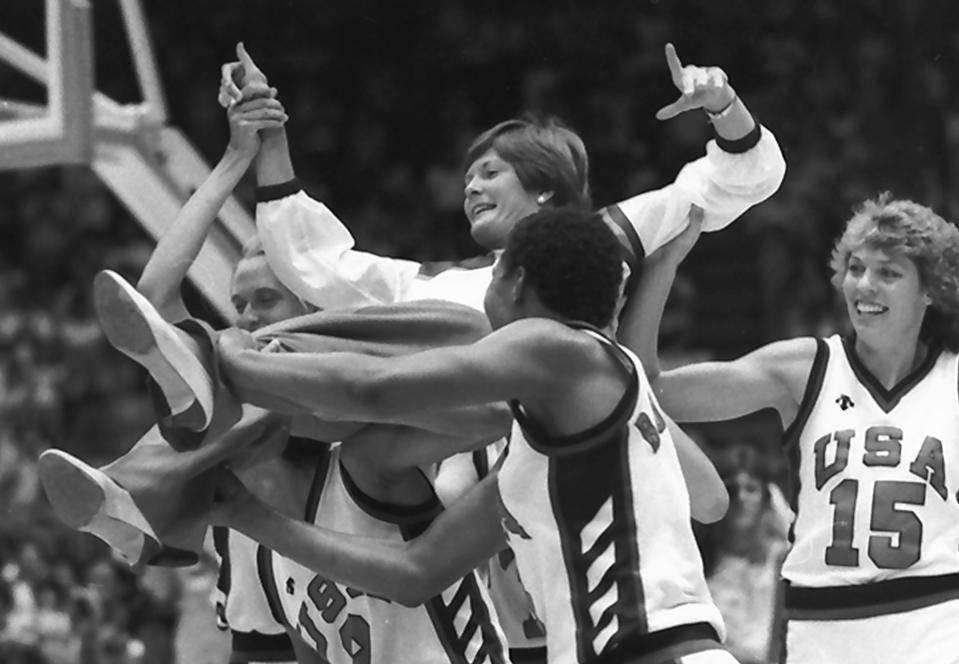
x=476 y=641
x=264 y=568
x=790 y=437
x=592 y=499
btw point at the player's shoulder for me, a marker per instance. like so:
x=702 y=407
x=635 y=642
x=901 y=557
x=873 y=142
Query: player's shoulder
x=791 y=359
x=797 y=349
x=545 y=330
x=546 y=337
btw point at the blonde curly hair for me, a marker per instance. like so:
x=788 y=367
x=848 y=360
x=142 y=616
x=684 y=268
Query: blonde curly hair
x=914 y=231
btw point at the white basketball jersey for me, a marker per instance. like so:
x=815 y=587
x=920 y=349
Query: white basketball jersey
x=466 y=284
x=600 y=526
x=242 y=606
x=514 y=608
x=463 y=286
x=876 y=472
x=240 y=602
x=348 y=626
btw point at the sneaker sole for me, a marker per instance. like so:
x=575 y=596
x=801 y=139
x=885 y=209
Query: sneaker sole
x=133 y=327
x=78 y=495
x=74 y=495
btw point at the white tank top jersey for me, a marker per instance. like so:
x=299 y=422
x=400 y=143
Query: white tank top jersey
x=242 y=606
x=514 y=608
x=600 y=526
x=466 y=286
x=348 y=626
x=875 y=475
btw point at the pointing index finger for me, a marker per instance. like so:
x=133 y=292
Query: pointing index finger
x=672 y=60
x=243 y=56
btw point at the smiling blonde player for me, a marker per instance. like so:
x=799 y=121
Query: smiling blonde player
x=871 y=428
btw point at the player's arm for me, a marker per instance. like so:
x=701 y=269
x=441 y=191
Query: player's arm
x=742 y=167
x=462 y=537
x=772 y=376
x=708 y=497
x=642 y=315
x=387 y=450
x=305 y=242
x=179 y=246
x=533 y=359
x=469 y=425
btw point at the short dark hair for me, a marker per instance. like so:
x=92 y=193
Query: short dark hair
x=572 y=260
x=546 y=155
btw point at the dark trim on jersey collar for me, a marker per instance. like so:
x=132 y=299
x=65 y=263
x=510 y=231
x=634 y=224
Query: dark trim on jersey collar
x=391 y=512
x=888 y=399
x=316 y=488
x=543 y=442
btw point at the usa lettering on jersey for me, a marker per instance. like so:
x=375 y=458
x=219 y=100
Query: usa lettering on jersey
x=895 y=530
x=329 y=602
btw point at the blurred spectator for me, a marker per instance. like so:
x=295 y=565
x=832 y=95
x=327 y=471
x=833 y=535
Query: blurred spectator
x=743 y=554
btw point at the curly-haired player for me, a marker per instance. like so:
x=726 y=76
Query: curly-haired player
x=871 y=422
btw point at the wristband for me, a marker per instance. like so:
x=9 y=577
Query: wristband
x=740 y=145
x=272 y=192
x=715 y=115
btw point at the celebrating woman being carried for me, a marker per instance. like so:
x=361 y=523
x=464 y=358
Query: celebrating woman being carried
x=590 y=497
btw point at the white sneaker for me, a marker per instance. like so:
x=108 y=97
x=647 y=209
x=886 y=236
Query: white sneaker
x=87 y=499
x=137 y=330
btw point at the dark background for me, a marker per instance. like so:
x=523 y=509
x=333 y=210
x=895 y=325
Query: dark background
x=385 y=96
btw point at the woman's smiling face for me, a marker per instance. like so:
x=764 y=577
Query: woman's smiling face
x=884 y=294
x=495 y=199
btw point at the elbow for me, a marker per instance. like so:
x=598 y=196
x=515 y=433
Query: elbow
x=713 y=510
x=779 y=172
x=776 y=167
x=494 y=422
x=416 y=584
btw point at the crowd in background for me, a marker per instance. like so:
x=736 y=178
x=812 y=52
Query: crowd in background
x=383 y=98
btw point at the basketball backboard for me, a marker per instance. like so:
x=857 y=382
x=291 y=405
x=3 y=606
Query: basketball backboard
x=150 y=166
x=58 y=131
